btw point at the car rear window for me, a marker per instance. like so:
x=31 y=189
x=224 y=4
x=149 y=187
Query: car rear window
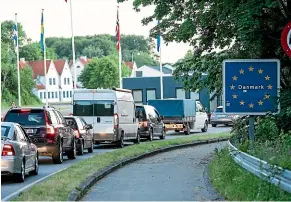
x=103 y=108
x=93 y=108
x=26 y=117
x=71 y=122
x=219 y=110
x=141 y=109
x=4 y=131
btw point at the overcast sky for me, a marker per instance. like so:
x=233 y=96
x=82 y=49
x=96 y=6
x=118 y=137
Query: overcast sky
x=89 y=17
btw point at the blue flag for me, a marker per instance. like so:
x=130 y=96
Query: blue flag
x=15 y=36
x=158 y=40
x=42 y=33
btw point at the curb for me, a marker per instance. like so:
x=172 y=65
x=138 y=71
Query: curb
x=82 y=189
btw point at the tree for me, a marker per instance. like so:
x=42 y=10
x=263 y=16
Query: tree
x=144 y=59
x=8 y=31
x=103 y=73
x=92 y=51
x=246 y=28
x=33 y=52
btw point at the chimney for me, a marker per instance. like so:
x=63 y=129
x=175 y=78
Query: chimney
x=22 y=60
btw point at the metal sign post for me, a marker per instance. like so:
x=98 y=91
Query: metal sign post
x=251 y=87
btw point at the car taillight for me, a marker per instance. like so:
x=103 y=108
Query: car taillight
x=116 y=120
x=8 y=150
x=50 y=130
x=145 y=124
x=76 y=133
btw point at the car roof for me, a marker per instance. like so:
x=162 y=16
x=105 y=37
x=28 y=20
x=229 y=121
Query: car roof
x=19 y=108
x=74 y=117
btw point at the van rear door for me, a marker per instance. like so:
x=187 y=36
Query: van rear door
x=103 y=117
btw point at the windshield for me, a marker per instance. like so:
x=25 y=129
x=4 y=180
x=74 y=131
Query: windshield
x=31 y=117
x=4 y=131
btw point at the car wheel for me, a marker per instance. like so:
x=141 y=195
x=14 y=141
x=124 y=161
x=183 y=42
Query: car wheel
x=19 y=177
x=177 y=131
x=73 y=153
x=151 y=134
x=163 y=136
x=35 y=171
x=81 y=150
x=137 y=140
x=121 y=141
x=58 y=157
x=91 y=149
x=213 y=125
x=205 y=128
x=188 y=130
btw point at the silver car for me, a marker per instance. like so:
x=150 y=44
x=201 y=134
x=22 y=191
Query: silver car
x=19 y=156
x=218 y=117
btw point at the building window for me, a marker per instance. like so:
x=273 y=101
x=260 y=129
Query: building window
x=54 y=81
x=138 y=73
x=65 y=81
x=64 y=94
x=68 y=81
x=137 y=95
x=67 y=93
x=180 y=93
x=219 y=100
x=44 y=95
x=48 y=95
x=50 y=81
x=40 y=95
x=78 y=79
x=78 y=67
x=56 y=94
x=151 y=95
x=70 y=93
x=194 y=95
x=53 y=95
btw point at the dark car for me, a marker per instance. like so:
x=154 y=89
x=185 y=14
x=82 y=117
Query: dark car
x=83 y=133
x=47 y=129
x=150 y=122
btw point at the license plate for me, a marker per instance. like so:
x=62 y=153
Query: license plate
x=29 y=131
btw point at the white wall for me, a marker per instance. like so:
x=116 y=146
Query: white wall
x=149 y=72
x=65 y=86
x=78 y=71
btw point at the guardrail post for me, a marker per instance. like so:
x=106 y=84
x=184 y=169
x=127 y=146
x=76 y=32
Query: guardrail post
x=252 y=130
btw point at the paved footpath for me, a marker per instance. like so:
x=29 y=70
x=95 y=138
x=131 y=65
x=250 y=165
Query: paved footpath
x=179 y=175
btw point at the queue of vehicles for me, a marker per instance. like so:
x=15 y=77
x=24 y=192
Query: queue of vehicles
x=99 y=116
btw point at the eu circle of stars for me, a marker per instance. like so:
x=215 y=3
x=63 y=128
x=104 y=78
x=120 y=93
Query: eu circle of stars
x=251 y=87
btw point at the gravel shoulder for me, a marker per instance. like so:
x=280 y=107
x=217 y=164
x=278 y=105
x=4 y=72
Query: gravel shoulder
x=179 y=175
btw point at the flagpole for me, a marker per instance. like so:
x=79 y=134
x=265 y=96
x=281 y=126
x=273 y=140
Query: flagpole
x=161 y=73
x=44 y=64
x=17 y=63
x=119 y=51
x=73 y=48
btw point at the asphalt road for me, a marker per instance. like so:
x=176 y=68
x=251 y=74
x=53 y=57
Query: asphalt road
x=178 y=175
x=47 y=168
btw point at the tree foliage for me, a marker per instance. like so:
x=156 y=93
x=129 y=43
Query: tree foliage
x=33 y=52
x=103 y=73
x=246 y=28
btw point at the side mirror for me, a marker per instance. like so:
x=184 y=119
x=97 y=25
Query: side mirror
x=162 y=117
x=89 y=126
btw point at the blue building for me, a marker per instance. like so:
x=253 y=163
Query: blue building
x=148 y=88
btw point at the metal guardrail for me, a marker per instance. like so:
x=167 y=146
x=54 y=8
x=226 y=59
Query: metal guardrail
x=271 y=173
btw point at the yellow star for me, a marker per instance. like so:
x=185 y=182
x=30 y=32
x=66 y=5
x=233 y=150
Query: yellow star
x=251 y=69
x=260 y=102
x=270 y=87
x=267 y=96
x=260 y=71
x=234 y=78
x=234 y=96
x=251 y=105
x=241 y=71
x=267 y=78
x=242 y=102
x=232 y=87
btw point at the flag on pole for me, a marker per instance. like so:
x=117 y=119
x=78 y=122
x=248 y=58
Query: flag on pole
x=117 y=30
x=15 y=36
x=158 y=40
x=42 y=43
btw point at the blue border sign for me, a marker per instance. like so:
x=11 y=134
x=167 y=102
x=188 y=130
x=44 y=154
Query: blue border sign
x=251 y=87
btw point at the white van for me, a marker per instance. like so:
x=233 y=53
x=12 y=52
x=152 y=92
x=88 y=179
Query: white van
x=111 y=113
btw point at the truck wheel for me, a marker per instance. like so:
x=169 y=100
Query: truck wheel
x=177 y=131
x=205 y=127
x=214 y=125
x=188 y=130
x=120 y=143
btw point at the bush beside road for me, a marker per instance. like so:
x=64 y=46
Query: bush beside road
x=236 y=184
x=60 y=185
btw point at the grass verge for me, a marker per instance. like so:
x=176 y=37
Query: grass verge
x=58 y=187
x=236 y=184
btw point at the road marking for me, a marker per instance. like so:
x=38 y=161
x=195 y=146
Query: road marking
x=15 y=194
